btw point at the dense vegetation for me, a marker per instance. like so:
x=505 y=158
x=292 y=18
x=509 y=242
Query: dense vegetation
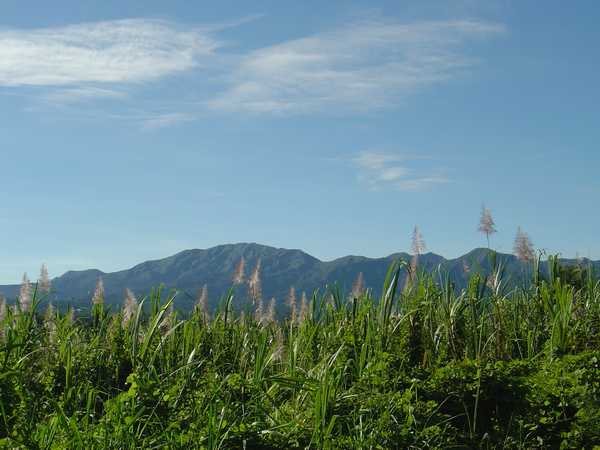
x=423 y=366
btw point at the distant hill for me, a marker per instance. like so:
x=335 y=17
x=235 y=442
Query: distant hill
x=189 y=270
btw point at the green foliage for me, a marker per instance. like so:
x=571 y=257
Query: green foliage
x=423 y=366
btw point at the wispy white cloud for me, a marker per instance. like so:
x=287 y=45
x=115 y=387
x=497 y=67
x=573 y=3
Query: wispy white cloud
x=359 y=67
x=121 y=51
x=85 y=63
x=165 y=120
x=80 y=94
x=379 y=170
x=371 y=160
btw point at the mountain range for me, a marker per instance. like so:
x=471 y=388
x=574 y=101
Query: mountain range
x=281 y=268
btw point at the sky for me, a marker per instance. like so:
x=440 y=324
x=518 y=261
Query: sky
x=131 y=130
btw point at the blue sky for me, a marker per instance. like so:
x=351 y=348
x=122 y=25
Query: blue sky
x=132 y=130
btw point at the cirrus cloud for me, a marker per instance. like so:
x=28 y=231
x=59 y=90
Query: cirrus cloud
x=121 y=51
x=359 y=67
x=351 y=69
x=380 y=170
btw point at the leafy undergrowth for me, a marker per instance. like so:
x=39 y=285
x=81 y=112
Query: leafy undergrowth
x=423 y=366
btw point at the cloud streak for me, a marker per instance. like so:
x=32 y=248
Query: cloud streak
x=379 y=170
x=359 y=67
x=353 y=69
x=122 y=51
x=82 y=94
x=165 y=120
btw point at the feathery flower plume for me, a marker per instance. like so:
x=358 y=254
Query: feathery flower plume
x=71 y=315
x=271 y=313
x=278 y=345
x=98 y=297
x=358 y=288
x=487 y=225
x=50 y=323
x=417 y=247
x=50 y=311
x=303 y=308
x=239 y=272
x=130 y=307
x=523 y=247
x=258 y=311
x=418 y=244
x=254 y=283
x=2 y=308
x=25 y=294
x=44 y=281
x=3 y=311
x=202 y=302
x=291 y=301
